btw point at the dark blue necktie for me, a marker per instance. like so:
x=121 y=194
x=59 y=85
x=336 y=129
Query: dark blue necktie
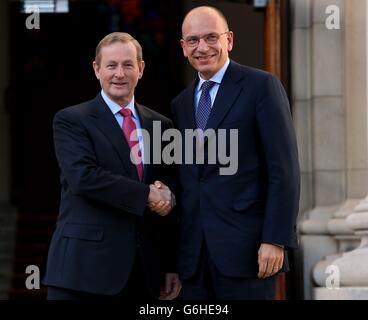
x=204 y=105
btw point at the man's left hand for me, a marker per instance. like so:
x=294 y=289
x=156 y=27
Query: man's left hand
x=270 y=260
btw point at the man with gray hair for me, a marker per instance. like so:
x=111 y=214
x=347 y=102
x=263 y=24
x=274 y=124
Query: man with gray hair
x=107 y=242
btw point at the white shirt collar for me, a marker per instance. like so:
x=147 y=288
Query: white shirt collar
x=115 y=108
x=217 y=77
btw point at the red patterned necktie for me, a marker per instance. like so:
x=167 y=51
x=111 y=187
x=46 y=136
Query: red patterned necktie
x=128 y=128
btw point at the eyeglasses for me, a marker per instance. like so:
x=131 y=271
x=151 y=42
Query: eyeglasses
x=211 y=38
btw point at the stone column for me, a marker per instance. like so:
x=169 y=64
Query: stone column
x=352 y=266
x=301 y=101
x=318 y=113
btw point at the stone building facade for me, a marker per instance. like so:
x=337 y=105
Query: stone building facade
x=330 y=104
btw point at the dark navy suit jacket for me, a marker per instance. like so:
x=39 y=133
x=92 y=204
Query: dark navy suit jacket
x=103 y=215
x=259 y=203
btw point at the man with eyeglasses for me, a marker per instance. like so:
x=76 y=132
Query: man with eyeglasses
x=235 y=229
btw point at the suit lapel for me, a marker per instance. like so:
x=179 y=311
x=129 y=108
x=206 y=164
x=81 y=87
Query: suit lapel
x=107 y=124
x=189 y=106
x=229 y=90
x=189 y=119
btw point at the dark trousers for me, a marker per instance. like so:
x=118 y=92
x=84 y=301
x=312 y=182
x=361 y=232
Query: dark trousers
x=135 y=289
x=207 y=283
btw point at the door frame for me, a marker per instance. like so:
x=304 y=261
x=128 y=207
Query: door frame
x=276 y=61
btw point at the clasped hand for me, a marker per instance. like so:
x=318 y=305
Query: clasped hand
x=160 y=200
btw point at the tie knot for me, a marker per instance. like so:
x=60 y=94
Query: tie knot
x=207 y=85
x=125 y=112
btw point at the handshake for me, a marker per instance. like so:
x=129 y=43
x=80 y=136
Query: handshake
x=160 y=199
